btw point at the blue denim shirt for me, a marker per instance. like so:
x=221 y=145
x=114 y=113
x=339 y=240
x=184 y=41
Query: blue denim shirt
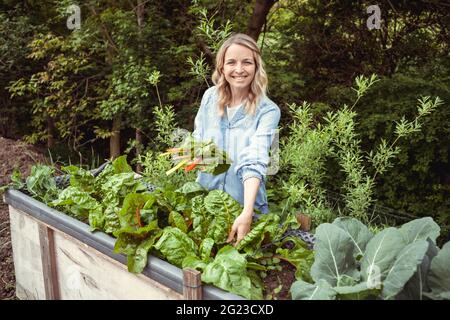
x=247 y=140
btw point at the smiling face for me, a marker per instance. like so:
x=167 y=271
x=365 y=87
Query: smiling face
x=239 y=67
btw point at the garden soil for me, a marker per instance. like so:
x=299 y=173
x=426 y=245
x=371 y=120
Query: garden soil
x=13 y=154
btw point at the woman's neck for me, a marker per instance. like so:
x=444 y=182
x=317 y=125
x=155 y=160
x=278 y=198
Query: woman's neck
x=237 y=96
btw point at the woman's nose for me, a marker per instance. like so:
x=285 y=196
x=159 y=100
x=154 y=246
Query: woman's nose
x=239 y=68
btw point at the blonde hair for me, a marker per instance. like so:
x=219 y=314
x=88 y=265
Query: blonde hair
x=258 y=86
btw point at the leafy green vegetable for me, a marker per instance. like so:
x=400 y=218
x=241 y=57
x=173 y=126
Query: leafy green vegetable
x=403 y=268
x=266 y=226
x=302 y=290
x=439 y=276
x=229 y=272
x=41 y=183
x=177 y=220
x=334 y=255
x=136 y=243
x=81 y=205
x=175 y=245
x=381 y=252
x=224 y=210
x=199 y=154
x=80 y=178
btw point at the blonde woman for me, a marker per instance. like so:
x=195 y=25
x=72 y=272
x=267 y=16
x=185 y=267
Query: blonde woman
x=242 y=120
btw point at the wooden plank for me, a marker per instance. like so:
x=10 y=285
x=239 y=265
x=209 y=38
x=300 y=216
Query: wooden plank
x=27 y=256
x=47 y=243
x=192 y=284
x=87 y=274
x=82 y=271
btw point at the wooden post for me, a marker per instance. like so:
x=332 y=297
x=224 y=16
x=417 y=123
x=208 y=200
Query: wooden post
x=304 y=220
x=46 y=241
x=192 y=284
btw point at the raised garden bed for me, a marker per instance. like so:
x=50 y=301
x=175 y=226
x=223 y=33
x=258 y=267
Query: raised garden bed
x=58 y=257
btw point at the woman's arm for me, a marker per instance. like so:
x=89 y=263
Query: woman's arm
x=241 y=225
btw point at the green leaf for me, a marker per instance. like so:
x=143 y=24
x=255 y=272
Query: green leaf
x=120 y=165
x=439 y=276
x=224 y=210
x=359 y=291
x=136 y=243
x=228 y=271
x=420 y=229
x=201 y=219
x=415 y=288
x=357 y=231
x=138 y=261
x=175 y=245
x=41 y=183
x=80 y=204
x=334 y=255
x=301 y=290
x=131 y=212
x=194 y=263
x=266 y=224
x=404 y=267
x=191 y=188
x=177 y=220
x=300 y=257
x=380 y=255
x=129 y=238
x=205 y=248
x=80 y=178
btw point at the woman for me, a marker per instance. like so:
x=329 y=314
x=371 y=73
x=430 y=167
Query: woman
x=241 y=120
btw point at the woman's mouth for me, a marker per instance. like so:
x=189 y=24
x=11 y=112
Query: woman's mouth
x=239 y=78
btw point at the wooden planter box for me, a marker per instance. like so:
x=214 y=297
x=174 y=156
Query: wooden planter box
x=58 y=257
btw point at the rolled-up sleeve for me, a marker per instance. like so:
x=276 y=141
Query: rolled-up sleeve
x=253 y=160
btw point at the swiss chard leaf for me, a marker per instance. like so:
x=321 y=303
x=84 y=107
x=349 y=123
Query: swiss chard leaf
x=133 y=205
x=136 y=243
x=224 y=210
x=177 y=220
x=80 y=178
x=228 y=271
x=80 y=205
x=266 y=225
x=175 y=245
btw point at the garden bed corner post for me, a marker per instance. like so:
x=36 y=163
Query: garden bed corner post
x=46 y=241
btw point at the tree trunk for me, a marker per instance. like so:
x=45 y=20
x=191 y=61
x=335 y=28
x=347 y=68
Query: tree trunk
x=139 y=146
x=114 y=141
x=50 y=132
x=138 y=134
x=258 y=18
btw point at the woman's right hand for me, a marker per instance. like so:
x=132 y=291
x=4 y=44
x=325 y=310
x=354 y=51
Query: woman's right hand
x=241 y=227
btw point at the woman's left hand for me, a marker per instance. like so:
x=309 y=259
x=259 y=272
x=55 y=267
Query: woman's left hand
x=241 y=227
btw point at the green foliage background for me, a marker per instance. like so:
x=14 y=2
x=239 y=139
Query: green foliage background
x=68 y=85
